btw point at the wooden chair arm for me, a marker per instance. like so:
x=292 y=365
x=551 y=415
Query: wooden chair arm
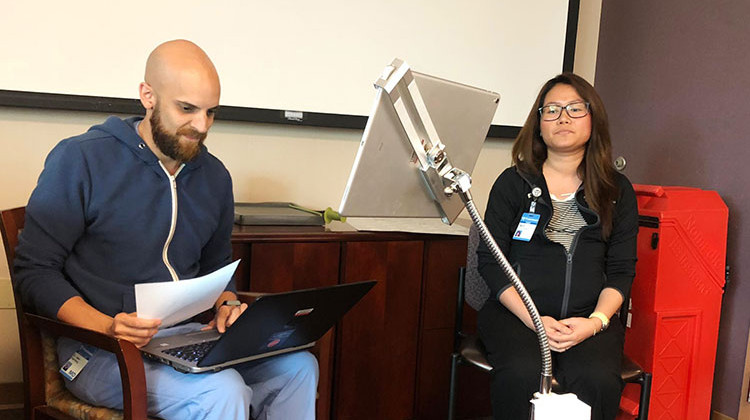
x=249 y=297
x=129 y=360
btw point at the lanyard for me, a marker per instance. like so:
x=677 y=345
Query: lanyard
x=536 y=192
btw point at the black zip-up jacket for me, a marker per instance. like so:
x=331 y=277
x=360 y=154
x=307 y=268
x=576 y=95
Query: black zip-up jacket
x=562 y=284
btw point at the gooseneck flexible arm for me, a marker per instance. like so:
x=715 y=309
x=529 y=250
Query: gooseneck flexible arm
x=545 y=384
x=446 y=182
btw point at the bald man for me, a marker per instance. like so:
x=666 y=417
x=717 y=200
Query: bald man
x=141 y=200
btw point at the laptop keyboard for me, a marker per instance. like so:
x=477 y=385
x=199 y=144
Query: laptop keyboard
x=191 y=352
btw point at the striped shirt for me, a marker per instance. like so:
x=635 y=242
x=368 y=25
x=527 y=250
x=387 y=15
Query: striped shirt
x=566 y=221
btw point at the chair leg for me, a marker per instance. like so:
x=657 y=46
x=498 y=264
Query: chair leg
x=645 y=396
x=455 y=359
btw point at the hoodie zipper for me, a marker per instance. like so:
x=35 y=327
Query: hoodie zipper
x=568 y=254
x=569 y=258
x=173 y=223
x=569 y=273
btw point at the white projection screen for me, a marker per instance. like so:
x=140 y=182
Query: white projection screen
x=315 y=57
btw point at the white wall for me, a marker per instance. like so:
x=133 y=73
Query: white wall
x=305 y=165
x=295 y=55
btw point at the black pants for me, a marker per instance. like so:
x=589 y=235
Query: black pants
x=591 y=369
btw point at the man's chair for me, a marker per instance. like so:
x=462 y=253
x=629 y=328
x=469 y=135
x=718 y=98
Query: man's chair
x=45 y=395
x=468 y=349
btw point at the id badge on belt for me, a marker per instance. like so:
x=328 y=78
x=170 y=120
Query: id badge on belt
x=77 y=362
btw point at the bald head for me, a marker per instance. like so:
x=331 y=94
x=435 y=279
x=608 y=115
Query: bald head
x=173 y=61
x=181 y=93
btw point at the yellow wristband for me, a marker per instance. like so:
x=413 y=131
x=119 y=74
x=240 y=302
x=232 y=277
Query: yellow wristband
x=601 y=317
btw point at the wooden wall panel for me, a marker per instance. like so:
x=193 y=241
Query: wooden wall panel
x=377 y=341
x=443 y=258
x=279 y=267
x=440 y=281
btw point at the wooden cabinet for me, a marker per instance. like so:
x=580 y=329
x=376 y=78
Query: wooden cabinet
x=389 y=357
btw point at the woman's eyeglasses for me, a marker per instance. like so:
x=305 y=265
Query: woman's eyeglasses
x=552 y=112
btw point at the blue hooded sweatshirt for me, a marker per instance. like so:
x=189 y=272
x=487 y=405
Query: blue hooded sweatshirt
x=105 y=215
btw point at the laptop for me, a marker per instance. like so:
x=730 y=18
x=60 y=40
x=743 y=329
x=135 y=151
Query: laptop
x=273 y=324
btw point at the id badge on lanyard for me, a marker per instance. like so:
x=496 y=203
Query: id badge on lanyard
x=529 y=220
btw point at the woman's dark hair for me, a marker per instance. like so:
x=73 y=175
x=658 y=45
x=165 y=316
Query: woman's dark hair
x=596 y=170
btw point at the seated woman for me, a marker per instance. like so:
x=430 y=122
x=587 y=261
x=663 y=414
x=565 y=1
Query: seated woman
x=576 y=256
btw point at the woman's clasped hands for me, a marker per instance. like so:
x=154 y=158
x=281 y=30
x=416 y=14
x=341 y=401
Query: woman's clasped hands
x=566 y=333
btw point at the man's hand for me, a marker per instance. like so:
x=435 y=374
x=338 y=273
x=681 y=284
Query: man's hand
x=225 y=317
x=76 y=311
x=138 y=331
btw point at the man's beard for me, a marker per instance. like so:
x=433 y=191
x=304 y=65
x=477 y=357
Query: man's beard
x=170 y=144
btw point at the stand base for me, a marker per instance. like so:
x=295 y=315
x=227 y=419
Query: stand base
x=559 y=407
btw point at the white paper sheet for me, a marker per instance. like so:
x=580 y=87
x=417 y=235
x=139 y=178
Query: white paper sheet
x=175 y=301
